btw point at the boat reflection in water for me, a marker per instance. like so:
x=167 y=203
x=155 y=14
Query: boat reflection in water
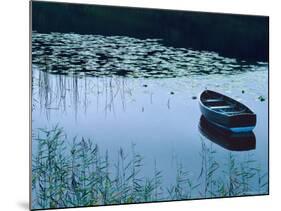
x=226 y=139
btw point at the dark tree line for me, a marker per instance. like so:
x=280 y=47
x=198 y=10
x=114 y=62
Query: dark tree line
x=239 y=36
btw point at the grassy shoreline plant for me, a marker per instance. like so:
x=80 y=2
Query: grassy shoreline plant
x=80 y=175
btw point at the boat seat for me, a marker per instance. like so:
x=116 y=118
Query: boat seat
x=213 y=100
x=234 y=112
x=222 y=107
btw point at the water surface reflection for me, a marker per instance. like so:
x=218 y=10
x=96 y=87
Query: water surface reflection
x=128 y=102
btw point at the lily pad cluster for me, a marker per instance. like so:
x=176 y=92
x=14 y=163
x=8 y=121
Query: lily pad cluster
x=97 y=55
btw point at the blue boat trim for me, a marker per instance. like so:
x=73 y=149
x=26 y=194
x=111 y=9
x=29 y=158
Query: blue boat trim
x=241 y=129
x=235 y=129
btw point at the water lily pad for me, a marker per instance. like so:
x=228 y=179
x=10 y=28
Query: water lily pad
x=261 y=98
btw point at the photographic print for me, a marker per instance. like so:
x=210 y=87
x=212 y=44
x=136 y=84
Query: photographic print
x=135 y=105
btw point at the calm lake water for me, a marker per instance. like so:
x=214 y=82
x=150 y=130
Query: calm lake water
x=142 y=96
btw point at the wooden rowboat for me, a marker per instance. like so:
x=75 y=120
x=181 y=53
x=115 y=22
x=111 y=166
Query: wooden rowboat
x=226 y=112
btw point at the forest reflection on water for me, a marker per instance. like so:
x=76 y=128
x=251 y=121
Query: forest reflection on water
x=138 y=96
